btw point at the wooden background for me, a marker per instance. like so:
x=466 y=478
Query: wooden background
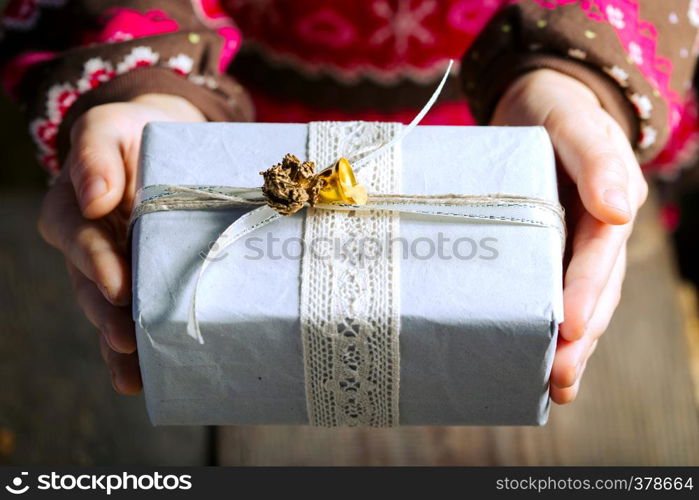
x=638 y=403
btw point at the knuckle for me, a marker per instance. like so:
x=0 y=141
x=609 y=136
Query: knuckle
x=95 y=256
x=88 y=120
x=113 y=115
x=563 y=122
x=98 y=113
x=82 y=245
x=84 y=156
x=609 y=165
x=102 y=122
x=557 y=123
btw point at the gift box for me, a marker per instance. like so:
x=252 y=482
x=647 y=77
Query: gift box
x=479 y=301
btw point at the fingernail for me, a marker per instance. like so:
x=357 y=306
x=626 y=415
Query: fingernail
x=617 y=199
x=93 y=188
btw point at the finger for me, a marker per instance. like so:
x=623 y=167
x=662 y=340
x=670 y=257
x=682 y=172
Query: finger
x=96 y=164
x=564 y=395
x=115 y=323
x=595 y=153
x=596 y=247
x=568 y=362
x=88 y=245
x=571 y=360
x=571 y=357
x=124 y=369
x=610 y=297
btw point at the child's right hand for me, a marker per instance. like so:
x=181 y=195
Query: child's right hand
x=85 y=214
x=602 y=188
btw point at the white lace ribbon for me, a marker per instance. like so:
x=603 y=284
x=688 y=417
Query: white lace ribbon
x=349 y=312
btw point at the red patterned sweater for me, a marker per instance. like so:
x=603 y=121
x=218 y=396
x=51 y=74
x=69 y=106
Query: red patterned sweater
x=301 y=60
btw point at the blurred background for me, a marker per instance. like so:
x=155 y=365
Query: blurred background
x=639 y=402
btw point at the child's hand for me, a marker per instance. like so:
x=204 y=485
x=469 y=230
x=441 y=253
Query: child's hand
x=85 y=213
x=602 y=188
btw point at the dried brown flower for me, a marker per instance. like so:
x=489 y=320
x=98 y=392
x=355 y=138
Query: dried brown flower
x=291 y=184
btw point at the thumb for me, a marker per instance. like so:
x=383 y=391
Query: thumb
x=96 y=166
x=596 y=157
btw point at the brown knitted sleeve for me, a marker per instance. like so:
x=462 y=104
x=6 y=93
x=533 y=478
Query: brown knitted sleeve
x=638 y=57
x=66 y=57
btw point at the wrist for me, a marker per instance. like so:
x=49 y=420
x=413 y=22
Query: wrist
x=574 y=85
x=530 y=97
x=555 y=83
x=178 y=108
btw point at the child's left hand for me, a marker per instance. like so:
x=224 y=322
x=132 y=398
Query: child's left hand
x=602 y=187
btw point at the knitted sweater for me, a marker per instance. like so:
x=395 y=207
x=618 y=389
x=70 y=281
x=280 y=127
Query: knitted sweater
x=301 y=60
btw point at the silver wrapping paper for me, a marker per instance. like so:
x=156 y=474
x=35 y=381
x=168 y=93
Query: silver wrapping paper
x=480 y=302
